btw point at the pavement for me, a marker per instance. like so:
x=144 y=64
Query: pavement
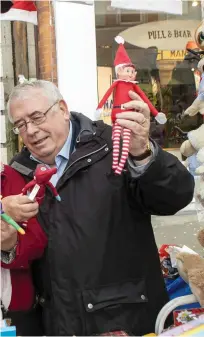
x=180 y=229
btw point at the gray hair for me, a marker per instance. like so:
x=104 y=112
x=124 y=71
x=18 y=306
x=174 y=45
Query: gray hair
x=49 y=89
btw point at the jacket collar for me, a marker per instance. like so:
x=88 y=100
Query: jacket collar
x=86 y=124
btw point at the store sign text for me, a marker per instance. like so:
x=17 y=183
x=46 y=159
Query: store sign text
x=171 y=54
x=161 y=34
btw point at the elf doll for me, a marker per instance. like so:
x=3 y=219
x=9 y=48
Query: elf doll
x=126 y=74
x=37 y=186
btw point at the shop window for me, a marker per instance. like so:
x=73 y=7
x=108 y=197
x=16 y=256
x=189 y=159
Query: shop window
x=165 y=70
x=152 y=17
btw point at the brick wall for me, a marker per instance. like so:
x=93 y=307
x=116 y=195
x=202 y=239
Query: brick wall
x=47 y=59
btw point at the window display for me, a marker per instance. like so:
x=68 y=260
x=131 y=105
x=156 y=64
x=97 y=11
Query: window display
x=158 y=44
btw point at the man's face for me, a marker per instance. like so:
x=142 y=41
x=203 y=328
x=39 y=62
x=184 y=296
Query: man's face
x=127 y=73
x=44 y=141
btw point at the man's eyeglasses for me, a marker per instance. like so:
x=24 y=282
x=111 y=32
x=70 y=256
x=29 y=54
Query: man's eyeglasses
x=37 y=118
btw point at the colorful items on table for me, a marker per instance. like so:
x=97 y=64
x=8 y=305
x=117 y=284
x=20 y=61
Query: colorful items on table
x=187 y=315
x=193 y=328
x=196 y=332
x=167 y=270
x=178 y=287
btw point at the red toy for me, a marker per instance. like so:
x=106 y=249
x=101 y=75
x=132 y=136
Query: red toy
x=166 y=266
x=125 y=82
x=41 y=179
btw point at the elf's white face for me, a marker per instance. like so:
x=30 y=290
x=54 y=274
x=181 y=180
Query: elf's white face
x=126 y=73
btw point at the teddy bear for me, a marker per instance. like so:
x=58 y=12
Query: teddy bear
x=195 y=145
x=191 y=269
x=195 y=142
x=200 y=237
x=198 y=104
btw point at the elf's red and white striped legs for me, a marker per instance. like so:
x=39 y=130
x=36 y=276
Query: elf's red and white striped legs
x=125 y=150
x=117 y=130
x=116 y=144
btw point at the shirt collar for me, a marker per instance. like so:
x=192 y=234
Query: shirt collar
x=64 y=152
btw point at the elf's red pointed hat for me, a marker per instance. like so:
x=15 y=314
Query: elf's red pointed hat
x=121 y=57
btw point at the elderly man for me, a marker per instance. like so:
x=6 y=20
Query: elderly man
x=101 y=270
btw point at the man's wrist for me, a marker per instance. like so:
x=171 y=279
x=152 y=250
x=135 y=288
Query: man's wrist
x=143 y=155
x=143 y=162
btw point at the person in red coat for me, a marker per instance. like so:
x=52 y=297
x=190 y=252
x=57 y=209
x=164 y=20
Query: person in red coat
x=121 y=87
x=18 y=294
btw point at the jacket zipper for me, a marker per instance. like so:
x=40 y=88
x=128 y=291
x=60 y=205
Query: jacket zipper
x=87 y=155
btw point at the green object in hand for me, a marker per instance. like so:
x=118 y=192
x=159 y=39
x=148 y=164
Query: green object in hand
x=11 y=222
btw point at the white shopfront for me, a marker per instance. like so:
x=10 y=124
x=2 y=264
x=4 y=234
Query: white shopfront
x=76 y=54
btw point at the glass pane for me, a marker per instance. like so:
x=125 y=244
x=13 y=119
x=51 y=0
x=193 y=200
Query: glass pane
x=156 y=44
